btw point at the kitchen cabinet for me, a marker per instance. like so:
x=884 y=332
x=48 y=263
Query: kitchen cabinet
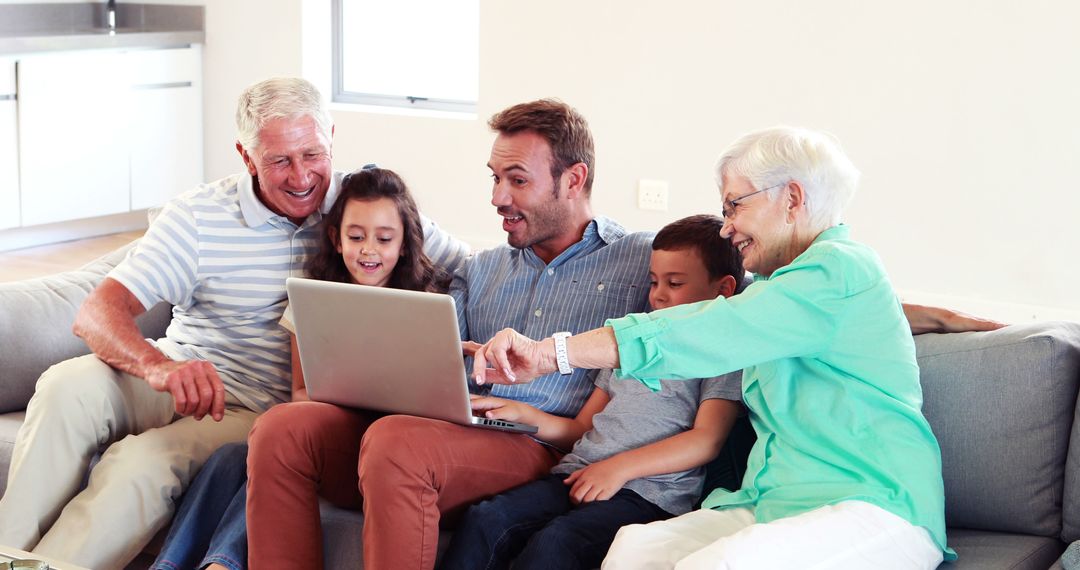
x=166 y=140
x=9 y=149
x=73 y=148
x=106 y=131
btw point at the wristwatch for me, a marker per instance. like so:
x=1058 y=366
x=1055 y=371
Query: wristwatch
x=560 y=352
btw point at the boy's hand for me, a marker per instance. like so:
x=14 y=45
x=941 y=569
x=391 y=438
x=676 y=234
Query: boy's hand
x=597 y=482
x=502 y=409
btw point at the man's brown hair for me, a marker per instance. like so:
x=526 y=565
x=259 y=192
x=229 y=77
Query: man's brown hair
x=564 y=129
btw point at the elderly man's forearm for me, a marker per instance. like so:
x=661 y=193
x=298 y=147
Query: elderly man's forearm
x=106 y=322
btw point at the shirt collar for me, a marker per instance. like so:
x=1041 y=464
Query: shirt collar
x=609 y=230
x=599 y=229
x=841 y=231
x=256 y=213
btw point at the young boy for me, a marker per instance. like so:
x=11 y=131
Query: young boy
x=641 y=454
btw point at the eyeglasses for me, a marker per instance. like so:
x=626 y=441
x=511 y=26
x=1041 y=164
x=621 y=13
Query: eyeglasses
x=729 y=205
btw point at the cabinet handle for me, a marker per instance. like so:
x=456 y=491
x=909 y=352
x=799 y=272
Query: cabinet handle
x=9 y=97
x=162 y=85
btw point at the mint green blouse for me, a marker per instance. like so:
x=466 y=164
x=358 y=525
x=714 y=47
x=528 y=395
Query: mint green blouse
x=829 y=376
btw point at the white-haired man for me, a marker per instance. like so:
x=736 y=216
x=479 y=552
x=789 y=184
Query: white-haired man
x=220 y=255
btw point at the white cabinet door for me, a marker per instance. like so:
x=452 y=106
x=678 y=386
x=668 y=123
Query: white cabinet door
x=9 y=147
x=166 y=137
x=73 y=136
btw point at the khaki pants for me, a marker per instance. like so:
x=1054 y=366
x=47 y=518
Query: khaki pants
x=83 y=406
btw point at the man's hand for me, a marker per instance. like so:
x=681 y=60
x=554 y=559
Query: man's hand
x=924 y=319
x=194 y=384
x=597 y=482
x=106 y=321
x=514 y=358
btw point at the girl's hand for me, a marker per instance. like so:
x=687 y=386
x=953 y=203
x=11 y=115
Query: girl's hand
x=597 y=482
x=469 y=348
x=502 y=409
x=513 y=357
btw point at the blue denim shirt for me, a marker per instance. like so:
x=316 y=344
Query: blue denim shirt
x=604 y=275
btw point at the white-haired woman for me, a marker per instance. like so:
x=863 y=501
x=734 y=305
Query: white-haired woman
x=846 y=472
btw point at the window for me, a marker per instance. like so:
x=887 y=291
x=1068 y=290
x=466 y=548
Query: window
x=421 y=54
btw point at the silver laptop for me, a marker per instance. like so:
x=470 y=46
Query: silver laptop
x=384 y=349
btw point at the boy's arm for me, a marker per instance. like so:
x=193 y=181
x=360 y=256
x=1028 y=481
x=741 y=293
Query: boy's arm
x=556 y=430
x=686 y=450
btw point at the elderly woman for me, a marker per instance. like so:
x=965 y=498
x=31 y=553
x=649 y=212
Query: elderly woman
x=846 y=472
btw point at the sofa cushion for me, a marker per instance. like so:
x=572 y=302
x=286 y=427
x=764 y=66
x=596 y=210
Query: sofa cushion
x=983 y=550
x=9 y=427
x=35 y=332
x=1001 y=404
x=343 y=546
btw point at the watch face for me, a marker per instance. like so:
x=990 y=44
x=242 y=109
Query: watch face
x=27 y=565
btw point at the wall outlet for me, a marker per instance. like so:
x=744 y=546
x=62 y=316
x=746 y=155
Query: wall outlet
x=652 y=195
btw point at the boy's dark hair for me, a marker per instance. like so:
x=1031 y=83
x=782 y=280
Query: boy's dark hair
x=564 y=129
x=414 y=270
x=702 y=232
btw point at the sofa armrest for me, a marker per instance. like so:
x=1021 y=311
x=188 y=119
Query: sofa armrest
x=35 y=325
x=1001 y=404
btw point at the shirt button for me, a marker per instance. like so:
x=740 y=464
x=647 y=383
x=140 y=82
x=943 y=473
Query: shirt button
x=600 y=287
x=551 y=272
x=538 y=312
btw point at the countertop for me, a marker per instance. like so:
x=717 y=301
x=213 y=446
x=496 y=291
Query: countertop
x=36 y=28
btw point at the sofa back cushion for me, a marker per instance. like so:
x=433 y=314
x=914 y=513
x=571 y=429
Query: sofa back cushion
x=35 y=327
x=1001 y=404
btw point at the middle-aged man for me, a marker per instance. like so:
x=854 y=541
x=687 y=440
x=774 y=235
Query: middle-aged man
x=220 y=255
x=563 y=270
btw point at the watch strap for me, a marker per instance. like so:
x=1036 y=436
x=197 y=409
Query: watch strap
x=561 y=357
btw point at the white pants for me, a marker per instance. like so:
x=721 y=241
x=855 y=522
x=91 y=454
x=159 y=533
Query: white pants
x=80 y=407
x=852 y=534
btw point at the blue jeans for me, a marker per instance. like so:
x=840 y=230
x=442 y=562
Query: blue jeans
x=536 y=526
x=210 y=525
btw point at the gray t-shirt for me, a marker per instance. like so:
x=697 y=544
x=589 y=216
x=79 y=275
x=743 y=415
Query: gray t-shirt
x=636 y=416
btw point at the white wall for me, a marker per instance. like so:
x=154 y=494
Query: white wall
x=963 y=117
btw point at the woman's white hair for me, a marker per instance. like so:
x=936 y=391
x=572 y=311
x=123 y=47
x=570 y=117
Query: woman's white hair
x=780 y=154
x=280 y=97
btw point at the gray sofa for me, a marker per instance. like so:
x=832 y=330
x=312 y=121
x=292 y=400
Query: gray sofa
x=1003 y=406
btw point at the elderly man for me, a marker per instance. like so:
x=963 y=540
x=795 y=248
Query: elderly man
x=220 y=255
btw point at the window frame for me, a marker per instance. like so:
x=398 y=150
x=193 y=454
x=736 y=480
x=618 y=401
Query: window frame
x=340 y=95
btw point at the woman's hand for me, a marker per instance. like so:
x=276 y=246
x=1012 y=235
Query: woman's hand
x=513 y=357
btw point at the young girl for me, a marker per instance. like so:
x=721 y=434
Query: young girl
x=373 y=237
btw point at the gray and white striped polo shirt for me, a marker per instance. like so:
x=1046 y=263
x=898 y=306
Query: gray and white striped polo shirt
x=221 y=257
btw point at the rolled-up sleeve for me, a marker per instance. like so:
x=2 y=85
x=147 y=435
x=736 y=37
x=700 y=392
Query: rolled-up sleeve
x=638 y=350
